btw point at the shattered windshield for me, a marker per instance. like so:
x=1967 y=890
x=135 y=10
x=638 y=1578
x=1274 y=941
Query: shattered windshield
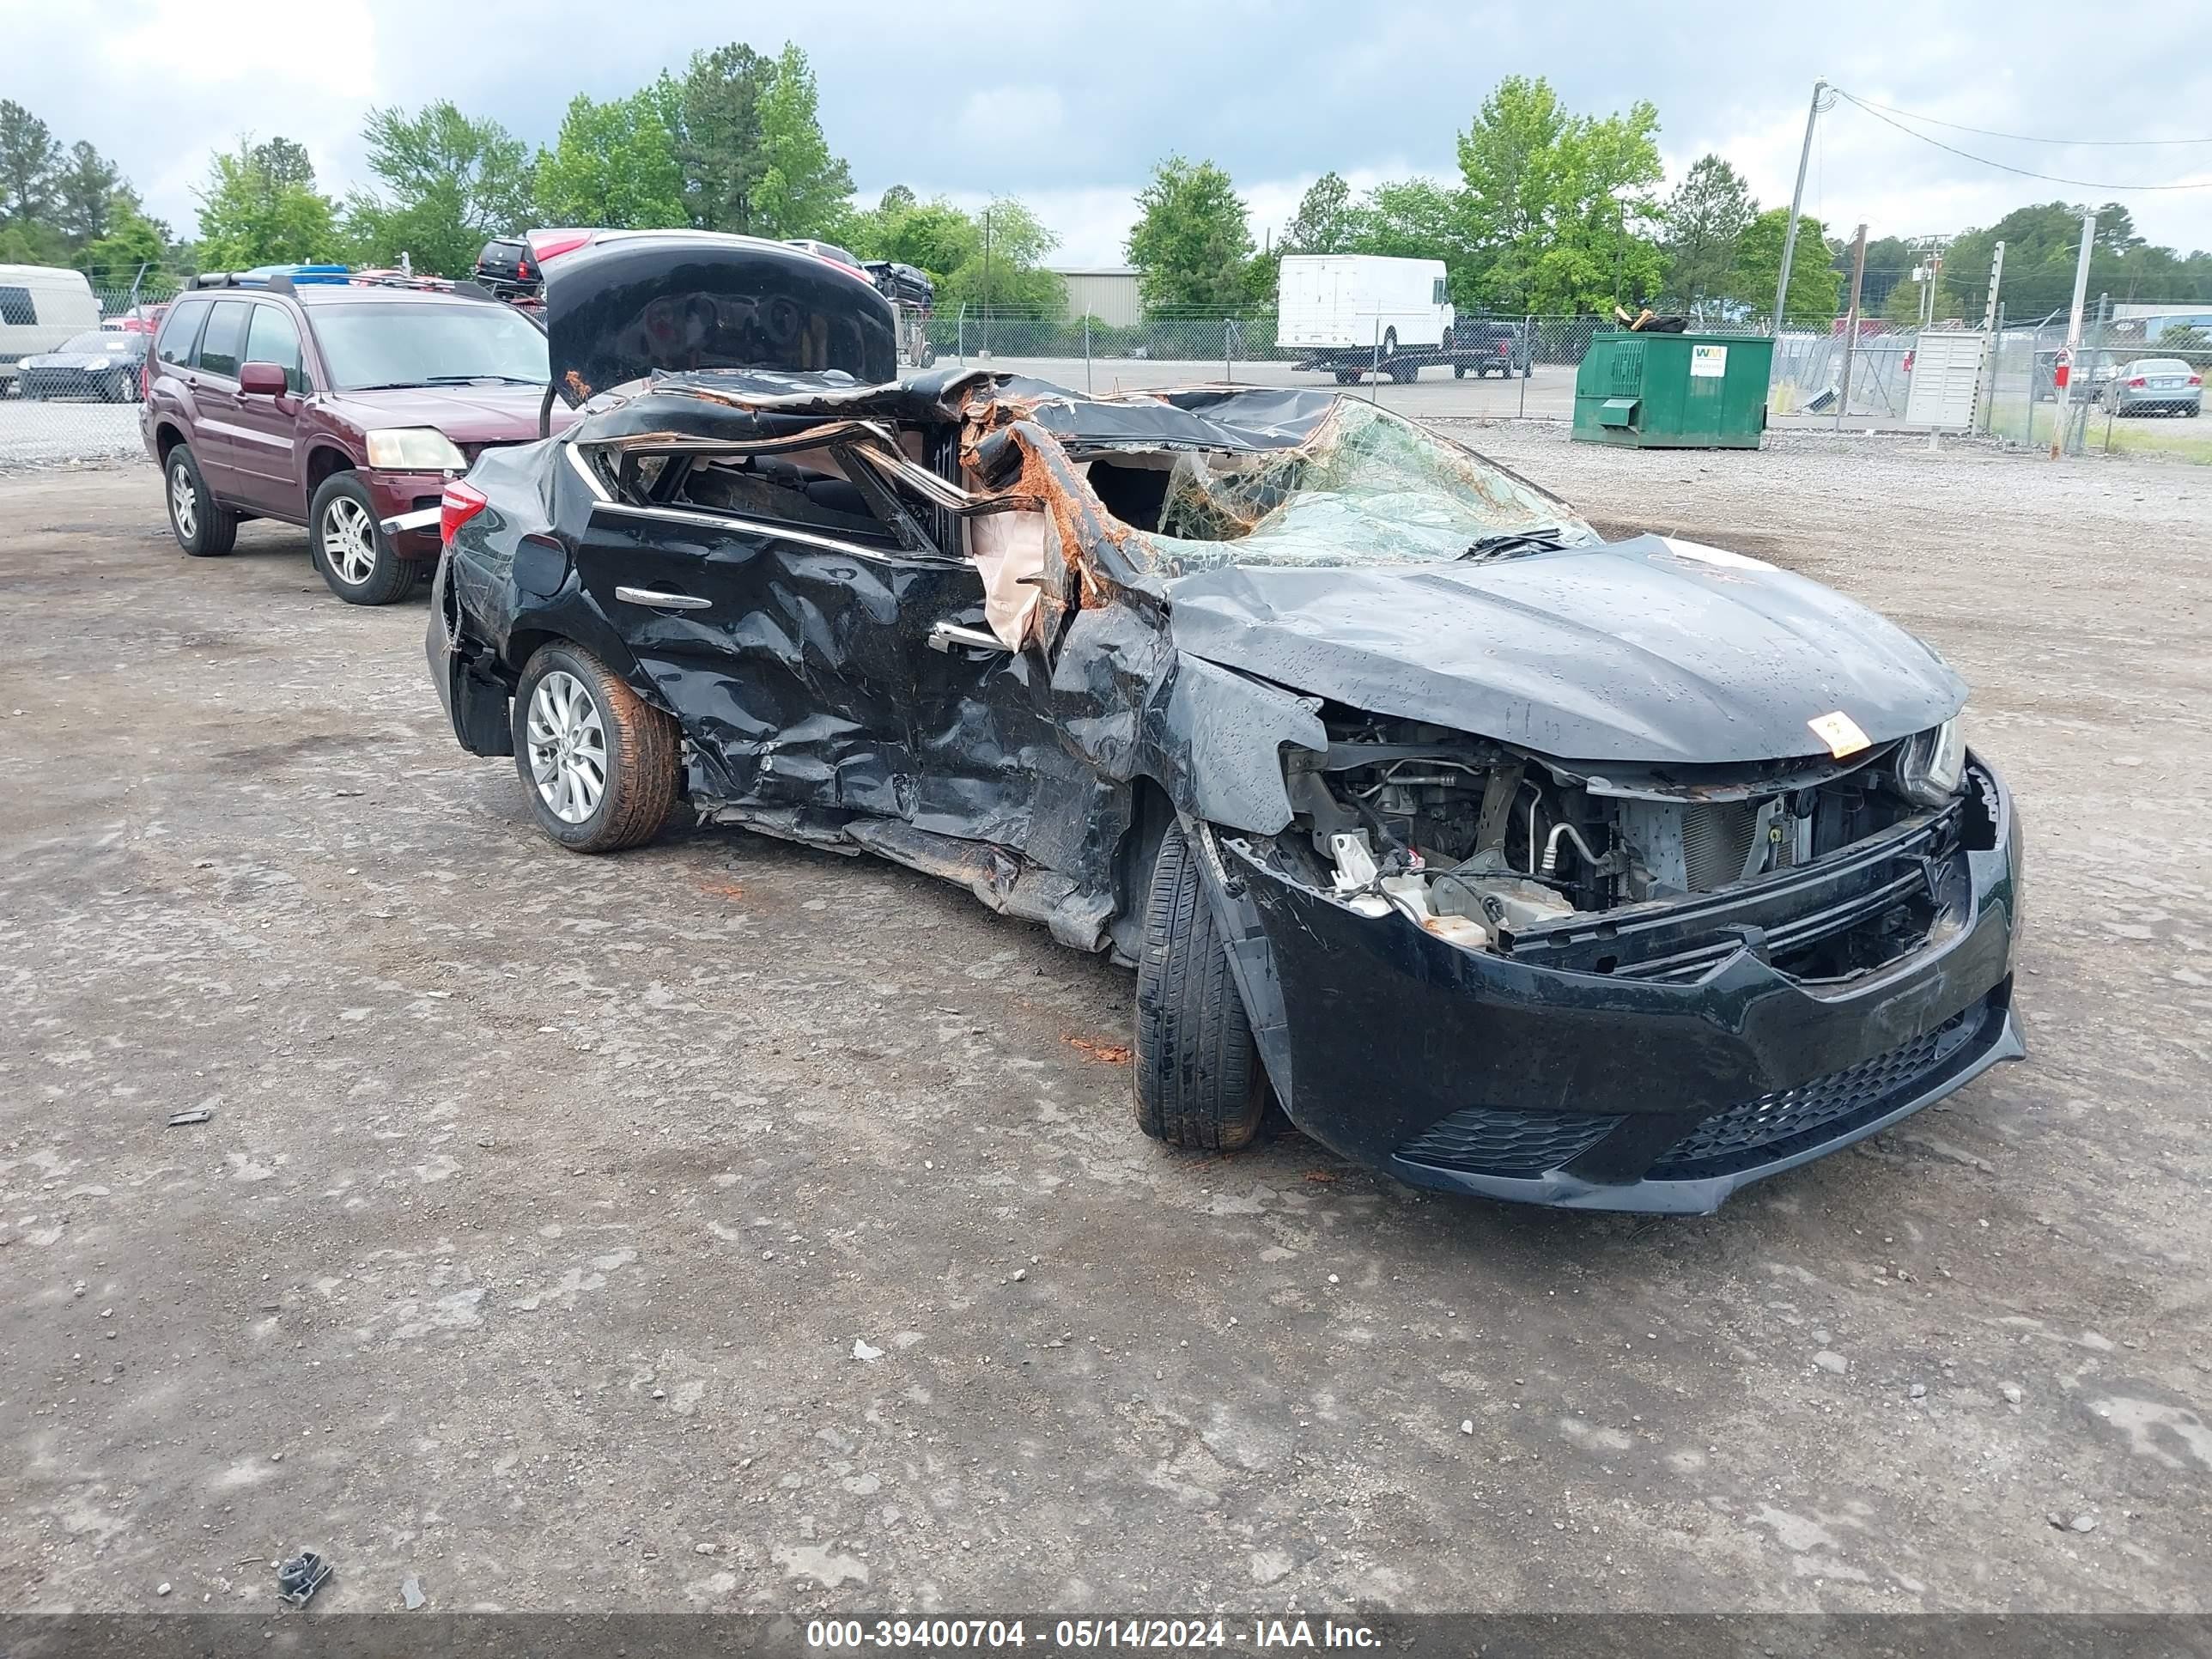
x=1367 y=488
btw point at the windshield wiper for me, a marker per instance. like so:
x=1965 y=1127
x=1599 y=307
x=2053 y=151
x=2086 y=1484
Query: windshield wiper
x=457 y=380
x=1515 y=541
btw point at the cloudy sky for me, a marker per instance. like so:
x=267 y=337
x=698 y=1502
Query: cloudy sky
x=1068 y=106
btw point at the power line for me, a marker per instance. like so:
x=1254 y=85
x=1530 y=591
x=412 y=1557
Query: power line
x=2004 y=167
x=2025 y=137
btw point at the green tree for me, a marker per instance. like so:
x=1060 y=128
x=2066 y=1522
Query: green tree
x=1004 y=269
x=1510 y=157
x=1192 y=239
x=30 y=160
x=718 y=136
x=1705 y=218
x=84 y=194
x=612 y=165
x=1814 y=283
x=933 y=236
x=448 y=183
x=804 y=190
x=132 y=242
x=260 y=207
x=1325 y=222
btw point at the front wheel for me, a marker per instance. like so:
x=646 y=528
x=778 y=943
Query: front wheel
x=599 y=762
x=354 y=556
x=1199 y=1081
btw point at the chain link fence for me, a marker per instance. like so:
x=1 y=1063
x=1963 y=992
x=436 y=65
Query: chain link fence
x=1490 y=367
x=84 y=406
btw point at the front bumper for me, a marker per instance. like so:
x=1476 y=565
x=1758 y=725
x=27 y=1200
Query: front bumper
x=1481 y=1073
x=406 y=507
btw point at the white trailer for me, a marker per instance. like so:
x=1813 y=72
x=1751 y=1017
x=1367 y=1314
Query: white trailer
x=40 y=306
x=1350 y=310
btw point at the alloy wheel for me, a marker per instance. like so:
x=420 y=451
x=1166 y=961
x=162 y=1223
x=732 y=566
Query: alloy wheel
x=567 y=747
x=184 y=503
x=349 y=540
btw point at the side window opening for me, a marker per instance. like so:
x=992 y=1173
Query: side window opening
x=224 y=334
x=15 y=307
x=180 y=332
x=273 y=337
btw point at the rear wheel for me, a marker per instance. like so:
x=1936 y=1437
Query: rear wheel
x=202 y=529
x=1199 y=1081
x=354 y=556
x=1389 y=343
x=598 y=762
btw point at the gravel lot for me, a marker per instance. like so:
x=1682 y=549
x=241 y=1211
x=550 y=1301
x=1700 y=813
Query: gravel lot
x=48 y=433
x=546 y=1200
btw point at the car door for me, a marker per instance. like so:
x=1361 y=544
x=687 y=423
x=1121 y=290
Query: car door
x=265 y=430
x=213 y=379
x=773 y=630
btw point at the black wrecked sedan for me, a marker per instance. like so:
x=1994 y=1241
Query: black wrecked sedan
x=1505 y=858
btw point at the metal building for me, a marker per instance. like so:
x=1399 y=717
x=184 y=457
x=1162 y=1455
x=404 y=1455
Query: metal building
x=1106 y=292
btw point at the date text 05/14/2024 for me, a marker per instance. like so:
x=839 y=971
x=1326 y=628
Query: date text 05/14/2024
x=1162 y=1635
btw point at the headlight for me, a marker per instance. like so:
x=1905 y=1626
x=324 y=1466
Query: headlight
x=1931 y=766
x=414 y=449
x=97 y=363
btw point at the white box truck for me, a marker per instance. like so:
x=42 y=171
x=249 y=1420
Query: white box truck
x=1348 y=311
x=40 y=306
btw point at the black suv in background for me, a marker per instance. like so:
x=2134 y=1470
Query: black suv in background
x=506 y=269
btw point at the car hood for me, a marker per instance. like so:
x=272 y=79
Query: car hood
x=1652 y=650
x=117 y=358
x=676 y=302
x=466 y=414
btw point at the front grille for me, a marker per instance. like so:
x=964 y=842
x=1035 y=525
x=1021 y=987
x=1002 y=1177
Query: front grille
x=1775 y=1126
x=1495 y=1141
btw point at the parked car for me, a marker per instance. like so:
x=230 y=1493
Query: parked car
x=2154 y=385
x=100 y=362
x=1507 y=860
x=40 y=306
x=506 y=267
x=342 y=406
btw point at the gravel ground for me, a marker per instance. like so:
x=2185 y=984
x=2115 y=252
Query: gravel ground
x=547 y=1202
x=42 y=434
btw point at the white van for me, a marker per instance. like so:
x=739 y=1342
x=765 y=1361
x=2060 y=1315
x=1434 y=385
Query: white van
x=1351 y=305
x=40 y=306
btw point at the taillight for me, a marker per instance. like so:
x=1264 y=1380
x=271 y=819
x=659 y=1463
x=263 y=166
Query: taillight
x=459 y=504
x=522 y=266
x=2197 y=379
x=2139 y=381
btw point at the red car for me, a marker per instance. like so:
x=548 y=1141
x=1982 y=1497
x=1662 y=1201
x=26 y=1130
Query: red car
x=340 y=406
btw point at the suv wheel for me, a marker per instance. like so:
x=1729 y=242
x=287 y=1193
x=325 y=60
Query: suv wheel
x=354 y=556
x=599 y=762
x=202 y=529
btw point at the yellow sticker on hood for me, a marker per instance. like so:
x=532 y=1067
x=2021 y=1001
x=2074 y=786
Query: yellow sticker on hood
x=1840 y=733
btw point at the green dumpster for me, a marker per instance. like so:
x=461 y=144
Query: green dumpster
x=1673 y=391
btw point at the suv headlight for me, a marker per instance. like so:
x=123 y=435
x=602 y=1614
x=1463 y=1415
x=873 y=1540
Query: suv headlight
x=1931 y=766
x=414 y=449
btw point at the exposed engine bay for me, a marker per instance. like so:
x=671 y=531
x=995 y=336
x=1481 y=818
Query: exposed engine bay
x=1498 y=850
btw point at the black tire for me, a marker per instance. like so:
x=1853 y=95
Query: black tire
x=124 y=387
x=639 y=751
x=1199 y=1085
x=203 y=530
x=1389 y=343
x=1459 y=371
x=1346 y=376
x=355 y=557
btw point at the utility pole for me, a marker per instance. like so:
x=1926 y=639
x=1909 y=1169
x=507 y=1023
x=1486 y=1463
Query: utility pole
x=1852 y=324
x=987 y=284
x=1797 y=202
x=2065 y=435
x=1992 y=342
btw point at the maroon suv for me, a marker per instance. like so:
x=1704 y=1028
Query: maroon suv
x=341 y=406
